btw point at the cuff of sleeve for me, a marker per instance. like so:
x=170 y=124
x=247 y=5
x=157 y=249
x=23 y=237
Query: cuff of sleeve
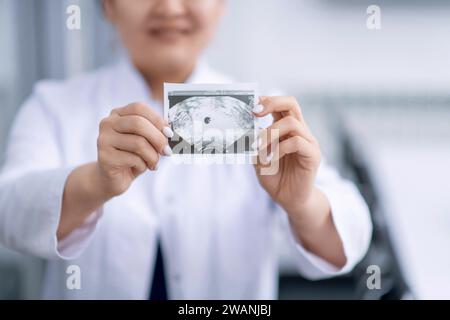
x=354 y=230
x=319 y=267
x=74 y=244
x=46 y=243
x=32 y=217
x=314 y=267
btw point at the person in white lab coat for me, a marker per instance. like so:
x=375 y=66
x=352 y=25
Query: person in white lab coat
x=88 y=179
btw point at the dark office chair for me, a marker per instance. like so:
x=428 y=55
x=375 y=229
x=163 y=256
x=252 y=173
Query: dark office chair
x=381 y=252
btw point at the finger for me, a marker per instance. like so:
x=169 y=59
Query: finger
x=140 y=126
x=125 y=159
x=143 y=110
x=292 y=145
x=265 y=157
x=137 y=145
x=281 y=129
x=279 y=106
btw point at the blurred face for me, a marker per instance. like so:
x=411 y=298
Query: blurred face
x=164 y=36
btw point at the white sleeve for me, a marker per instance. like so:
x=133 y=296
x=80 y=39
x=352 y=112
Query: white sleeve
x=351 y=218
x=31 y=187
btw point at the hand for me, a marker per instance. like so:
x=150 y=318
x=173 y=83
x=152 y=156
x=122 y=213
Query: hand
x=296 y=154
x=131 y=140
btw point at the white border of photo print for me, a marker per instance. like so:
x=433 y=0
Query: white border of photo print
x=212 y=122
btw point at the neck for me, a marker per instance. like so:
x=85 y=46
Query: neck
x=155 y=80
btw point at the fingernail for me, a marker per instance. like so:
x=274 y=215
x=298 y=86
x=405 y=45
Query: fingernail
x=258 y=108
x=259 y=140
x=156 y=166
x=167 y=151
x=267 y=159
x=167 y=132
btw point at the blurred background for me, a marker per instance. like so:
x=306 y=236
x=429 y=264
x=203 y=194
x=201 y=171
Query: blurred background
x=378 y=100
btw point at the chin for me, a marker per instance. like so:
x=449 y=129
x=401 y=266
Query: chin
x=175 y=61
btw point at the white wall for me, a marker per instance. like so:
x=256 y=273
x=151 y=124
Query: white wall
x=299 y=46
x=320 y=45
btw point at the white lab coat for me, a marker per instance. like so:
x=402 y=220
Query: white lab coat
x=215 y=221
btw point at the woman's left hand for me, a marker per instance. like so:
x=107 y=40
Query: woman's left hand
x=294 y=157
x=287 y=162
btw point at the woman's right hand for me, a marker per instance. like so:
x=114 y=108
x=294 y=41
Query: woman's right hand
x=131 y=140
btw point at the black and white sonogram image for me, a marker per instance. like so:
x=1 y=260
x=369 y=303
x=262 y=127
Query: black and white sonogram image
x=210 y=119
